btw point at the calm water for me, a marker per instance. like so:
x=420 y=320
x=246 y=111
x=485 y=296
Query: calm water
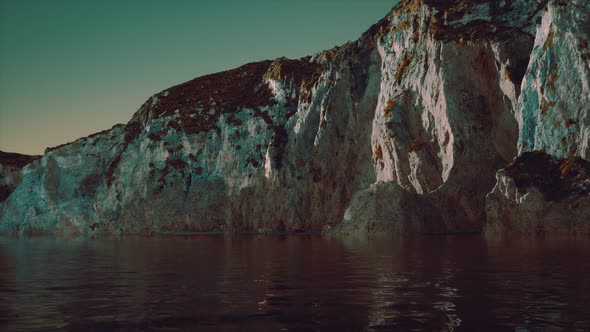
x=296 y=283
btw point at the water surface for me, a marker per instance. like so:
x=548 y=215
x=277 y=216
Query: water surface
x=294 y=283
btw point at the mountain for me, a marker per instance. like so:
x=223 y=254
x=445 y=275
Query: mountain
x=446 y=116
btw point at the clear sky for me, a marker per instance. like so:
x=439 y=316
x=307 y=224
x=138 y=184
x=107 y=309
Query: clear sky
x=69 y=68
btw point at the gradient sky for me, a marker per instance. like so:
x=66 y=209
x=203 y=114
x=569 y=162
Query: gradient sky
x=69 y=68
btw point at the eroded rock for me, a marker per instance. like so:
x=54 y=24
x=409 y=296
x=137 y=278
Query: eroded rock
x=538 y=193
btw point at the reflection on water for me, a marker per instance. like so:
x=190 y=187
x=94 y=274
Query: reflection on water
x=295 y=283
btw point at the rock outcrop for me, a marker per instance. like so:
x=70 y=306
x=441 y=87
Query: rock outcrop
x=400 y=131
x=538 y=193
x=553 y=112
x=11 y=165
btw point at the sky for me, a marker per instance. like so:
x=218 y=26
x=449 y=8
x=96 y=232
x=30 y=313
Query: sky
x=69 y=68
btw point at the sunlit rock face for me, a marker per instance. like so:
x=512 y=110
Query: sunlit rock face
x=553 y=112
x=400 y=131
x=538 y=193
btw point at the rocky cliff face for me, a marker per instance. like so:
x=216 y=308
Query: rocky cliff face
x=538 y=193
x=400 y=131
x=11 y=165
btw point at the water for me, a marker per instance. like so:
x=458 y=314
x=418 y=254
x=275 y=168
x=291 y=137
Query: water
x=294 y=283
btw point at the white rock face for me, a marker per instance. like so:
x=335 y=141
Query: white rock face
x=553 y=113
x=445 y=119
x=401 y=131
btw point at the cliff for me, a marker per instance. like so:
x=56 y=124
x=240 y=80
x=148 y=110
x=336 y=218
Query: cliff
x=400 y=131
x=11 y=165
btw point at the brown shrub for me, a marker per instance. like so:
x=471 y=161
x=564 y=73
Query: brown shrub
x=176 y=164
x=403 y=66
x=132 y=131
x=253 y=162
x=545 y=105
x=415 y=145
x=548 y=41
x=154 y=137
x=378 y=153
x=389 y=106
x=563 y=141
